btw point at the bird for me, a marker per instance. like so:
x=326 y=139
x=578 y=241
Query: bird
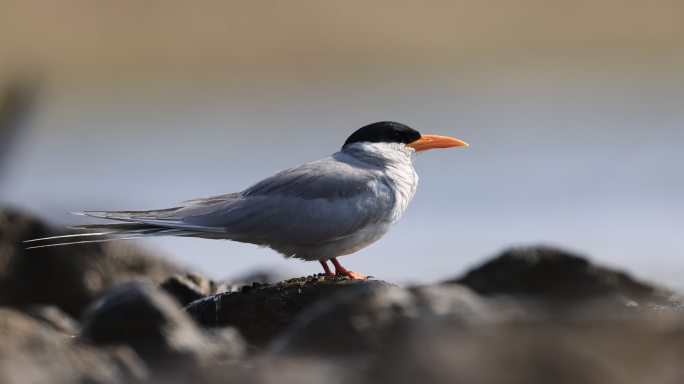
x=317 y=211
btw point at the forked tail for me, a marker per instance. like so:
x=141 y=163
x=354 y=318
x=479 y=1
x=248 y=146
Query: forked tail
x=136 y=224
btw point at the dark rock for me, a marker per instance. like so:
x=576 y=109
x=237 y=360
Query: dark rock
x=262 y=311
x=360 y=321
x=32 y=352
x=146 y=318
x=190 y=287
x=558 y=276
x=259 y=276
x=66 y=276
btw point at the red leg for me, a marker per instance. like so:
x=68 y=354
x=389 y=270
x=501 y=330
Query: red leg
x=328 y=273
x=341 y=271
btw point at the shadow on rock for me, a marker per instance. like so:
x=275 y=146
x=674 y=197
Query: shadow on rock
x=149 y=320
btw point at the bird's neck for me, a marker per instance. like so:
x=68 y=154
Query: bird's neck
x=394 y=163
x=381 y=154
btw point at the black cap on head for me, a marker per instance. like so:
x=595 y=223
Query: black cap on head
x=384 y=132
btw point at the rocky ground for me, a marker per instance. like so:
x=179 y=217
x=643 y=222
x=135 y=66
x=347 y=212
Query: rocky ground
x=110 y=313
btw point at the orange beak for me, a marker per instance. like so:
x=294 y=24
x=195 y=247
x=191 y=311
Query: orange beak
x=433 y=141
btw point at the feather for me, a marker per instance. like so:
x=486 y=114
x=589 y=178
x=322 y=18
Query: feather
x=83 y=242
x=69 y=236
x=319 y=210
x=123 y=234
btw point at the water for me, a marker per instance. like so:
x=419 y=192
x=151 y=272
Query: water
x=589 y=160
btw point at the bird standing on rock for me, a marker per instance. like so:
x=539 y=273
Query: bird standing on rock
x=317 y=211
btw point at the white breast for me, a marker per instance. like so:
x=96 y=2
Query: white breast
x=398 y=179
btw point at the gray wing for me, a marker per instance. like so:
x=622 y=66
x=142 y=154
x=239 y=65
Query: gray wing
x=315 y=203
x=328 y=178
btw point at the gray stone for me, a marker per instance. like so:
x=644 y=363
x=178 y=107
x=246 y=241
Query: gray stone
x=153 y=323
x=33 y=352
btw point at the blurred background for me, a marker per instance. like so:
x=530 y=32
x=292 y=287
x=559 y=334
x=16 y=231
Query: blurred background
x=574 y=111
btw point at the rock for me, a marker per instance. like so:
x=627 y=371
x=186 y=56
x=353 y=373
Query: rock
x=361 y=321
x=226 y=344
x=285 y=370
x=33 y=352
x=262 y=311
x=449 y=334
x=66 y=276
x=52 y=316
x=263 y=276
x=558 y=276
x=153 y=323
x=422 y=350
x=636 y=350
x=190 y=287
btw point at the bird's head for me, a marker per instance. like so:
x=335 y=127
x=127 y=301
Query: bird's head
x=397 y=133
x=391 y=132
